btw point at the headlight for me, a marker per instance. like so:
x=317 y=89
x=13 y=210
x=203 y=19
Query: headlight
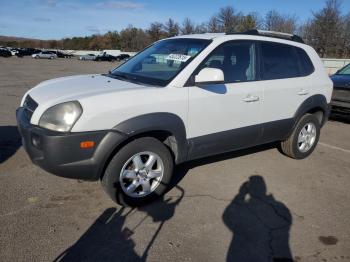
x=61 y=117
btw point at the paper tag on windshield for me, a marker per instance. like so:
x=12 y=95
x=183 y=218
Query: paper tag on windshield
x=178 y=57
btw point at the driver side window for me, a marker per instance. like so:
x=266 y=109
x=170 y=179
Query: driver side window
x=236 y=59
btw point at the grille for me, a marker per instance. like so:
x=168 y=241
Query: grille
x=29 y=106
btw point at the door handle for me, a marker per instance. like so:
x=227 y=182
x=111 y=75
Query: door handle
x=250 y=98
x=303 y=92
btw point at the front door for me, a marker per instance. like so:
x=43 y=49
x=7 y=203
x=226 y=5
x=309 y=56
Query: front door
x=224 y=117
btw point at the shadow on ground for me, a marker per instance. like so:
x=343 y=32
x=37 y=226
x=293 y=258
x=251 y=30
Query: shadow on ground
x=259 y=223
x=108 y=239
x=10 y=141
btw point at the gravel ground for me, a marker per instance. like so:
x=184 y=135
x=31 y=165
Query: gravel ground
x=252 y=205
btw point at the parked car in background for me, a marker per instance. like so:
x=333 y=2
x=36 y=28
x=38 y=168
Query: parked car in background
x=27 y=52
x=45 y=54
x=90 y=57
x=13 y=51
x=341 y=90
x=122 y=57
x=105 y=57
x=62 y=55
x=5 y=53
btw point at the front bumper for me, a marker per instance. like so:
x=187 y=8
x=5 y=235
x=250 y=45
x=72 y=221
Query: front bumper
x=61 y=154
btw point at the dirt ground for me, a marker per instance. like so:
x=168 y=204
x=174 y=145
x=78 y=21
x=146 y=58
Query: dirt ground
x=252 y=205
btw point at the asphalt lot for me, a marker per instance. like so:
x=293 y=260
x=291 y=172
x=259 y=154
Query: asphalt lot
x=255 y=203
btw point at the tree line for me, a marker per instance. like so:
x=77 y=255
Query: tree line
x=327 y=30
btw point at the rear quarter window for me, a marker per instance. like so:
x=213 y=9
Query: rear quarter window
x=280 y=61
x=307 y=68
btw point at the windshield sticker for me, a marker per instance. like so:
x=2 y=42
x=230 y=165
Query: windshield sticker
x=178 y=57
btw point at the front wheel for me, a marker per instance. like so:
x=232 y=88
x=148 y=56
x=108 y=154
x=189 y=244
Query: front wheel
x=139 y=172
x=304 y=138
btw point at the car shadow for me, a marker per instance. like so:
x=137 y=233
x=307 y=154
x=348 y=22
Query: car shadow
x=260 y=225
x=10 y=141
x=109 y=239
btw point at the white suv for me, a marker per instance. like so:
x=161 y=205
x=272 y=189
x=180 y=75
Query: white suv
x=180 y=99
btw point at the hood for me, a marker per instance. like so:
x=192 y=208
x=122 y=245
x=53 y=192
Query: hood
x=75 y=87
x=341 y=81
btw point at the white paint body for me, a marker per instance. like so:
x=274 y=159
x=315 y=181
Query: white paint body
x=107 y=102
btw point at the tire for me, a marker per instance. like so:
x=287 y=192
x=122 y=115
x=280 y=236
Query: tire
x=115 y=184
x=292 y=146
x=51 y=57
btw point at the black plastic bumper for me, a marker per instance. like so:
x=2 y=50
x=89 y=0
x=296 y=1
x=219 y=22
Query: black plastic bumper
x=340 y=106
x=61 y=154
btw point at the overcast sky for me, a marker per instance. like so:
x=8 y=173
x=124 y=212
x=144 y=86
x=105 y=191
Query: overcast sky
x=54 y=19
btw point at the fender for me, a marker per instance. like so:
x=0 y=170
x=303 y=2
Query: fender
x=312 y=103
x=160 y=121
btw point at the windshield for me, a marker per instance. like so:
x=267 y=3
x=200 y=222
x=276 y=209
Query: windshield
x=344 y=70
x=161 y=62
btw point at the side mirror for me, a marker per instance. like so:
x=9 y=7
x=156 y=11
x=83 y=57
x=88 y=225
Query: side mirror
x=210 y=76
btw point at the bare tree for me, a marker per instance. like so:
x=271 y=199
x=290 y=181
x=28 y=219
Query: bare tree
x=249 y=22
x=346 y=36
x=228 y=19
x=188 y=27
x=324 y=30
x=133 y=39
x=274 y=21
x=201 y=28
x=156 y=32
x=328 y=31
x=171 y=28
x=214 y=25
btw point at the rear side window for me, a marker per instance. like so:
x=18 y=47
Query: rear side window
x=307 y=67
x=279 y=61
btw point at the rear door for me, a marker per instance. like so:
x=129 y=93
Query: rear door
x=285 y=87
x=223 y=117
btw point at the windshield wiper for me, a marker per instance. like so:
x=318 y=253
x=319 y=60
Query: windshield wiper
x=124 y=78
x=128 y=78
x=116 y=76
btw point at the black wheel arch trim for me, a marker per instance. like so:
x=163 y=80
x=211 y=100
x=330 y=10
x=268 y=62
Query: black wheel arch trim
x=155 y=122
x=315 y=102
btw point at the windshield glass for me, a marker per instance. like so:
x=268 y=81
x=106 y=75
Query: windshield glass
x=344 y=71
x=161 y=62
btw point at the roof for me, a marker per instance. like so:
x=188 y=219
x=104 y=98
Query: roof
x=254 y=33
x=201 y=36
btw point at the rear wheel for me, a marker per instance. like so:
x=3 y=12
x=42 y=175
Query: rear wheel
x=139 y=172
x=304 y=138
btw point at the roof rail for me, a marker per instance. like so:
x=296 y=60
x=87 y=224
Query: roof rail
x=274 y=34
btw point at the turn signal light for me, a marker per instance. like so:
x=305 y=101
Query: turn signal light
x=87 y=144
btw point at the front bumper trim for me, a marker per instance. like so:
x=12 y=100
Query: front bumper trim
x=60 y=153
